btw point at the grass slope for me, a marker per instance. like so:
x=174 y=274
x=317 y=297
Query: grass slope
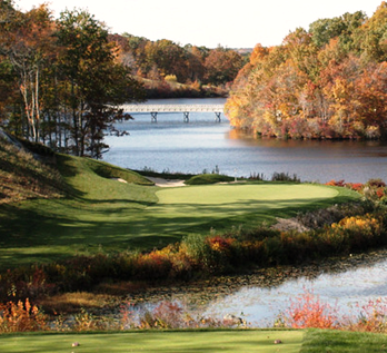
x=103 y=213
x=23 y=177
x=318 y=341
x=168 y=342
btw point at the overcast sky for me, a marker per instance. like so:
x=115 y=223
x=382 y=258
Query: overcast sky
x=230 y=23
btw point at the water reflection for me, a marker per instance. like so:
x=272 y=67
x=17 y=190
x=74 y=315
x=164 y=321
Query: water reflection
x=349 y=291
x=360 y=147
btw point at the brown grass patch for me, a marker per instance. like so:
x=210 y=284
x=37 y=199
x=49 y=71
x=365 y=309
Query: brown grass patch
x=22 y=176
x=73 y=302
x=120 y=288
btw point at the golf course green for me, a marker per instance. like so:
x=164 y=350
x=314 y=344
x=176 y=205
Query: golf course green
x=102 y=214
x=213 y=341
x=168 y=342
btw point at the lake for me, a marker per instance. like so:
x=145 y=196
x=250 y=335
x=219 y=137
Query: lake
x=347 y=293
x=204 y=144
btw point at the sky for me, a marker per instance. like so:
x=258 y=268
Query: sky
x=209 y=23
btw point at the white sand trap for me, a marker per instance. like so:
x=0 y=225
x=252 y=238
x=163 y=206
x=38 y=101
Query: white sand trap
x=120 y=180
x=167 y=183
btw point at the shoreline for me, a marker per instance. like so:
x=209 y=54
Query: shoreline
x=205 y=290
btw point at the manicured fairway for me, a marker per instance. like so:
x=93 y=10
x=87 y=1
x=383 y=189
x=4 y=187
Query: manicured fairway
x=257 y=341
x=103 y=214
x=162 y=342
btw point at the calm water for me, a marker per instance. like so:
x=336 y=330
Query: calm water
x=346 y=293
x=202 y=144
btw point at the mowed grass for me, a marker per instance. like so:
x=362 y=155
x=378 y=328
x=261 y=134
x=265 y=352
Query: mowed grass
x=101 y=214
x=257 y=341
x=150 y=342
x=330 y=341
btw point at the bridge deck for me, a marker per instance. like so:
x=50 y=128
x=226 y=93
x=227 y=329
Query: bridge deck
x=149 y=108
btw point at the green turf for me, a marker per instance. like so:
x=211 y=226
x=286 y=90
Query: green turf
x=105 y=214
x=162 y=342
x=329 y=341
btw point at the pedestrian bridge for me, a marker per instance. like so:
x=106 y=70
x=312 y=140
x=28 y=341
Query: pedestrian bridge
x=154 y=109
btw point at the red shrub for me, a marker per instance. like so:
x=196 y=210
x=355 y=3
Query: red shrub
x=308 y=312
x=336 y=183
x=380 y=192
x=355 y=186
x=219 y=243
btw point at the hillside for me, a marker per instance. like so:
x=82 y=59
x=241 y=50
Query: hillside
x=24 y=176
x=31 y=171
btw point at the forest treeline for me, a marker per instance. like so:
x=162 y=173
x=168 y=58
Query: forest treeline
x=169 y=69
x=62 y=81
x=327 y=82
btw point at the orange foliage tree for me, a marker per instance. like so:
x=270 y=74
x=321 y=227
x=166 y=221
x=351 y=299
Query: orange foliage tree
x=328 y=82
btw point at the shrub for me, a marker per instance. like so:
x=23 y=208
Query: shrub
x=307 y=311
x=355 y=186
x=340 y=183
x=372 y=317
x=21 y=317
x=170 y=78
x=156 y=265
x=380 y=192
x=220 y=256
x=285 y=177
x=256 y=176
x=206 y=179
x=376 y=183
x=220 y=244
x=196 y=248
x=365 y=223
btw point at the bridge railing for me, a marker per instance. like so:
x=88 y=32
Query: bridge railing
x=134 y=108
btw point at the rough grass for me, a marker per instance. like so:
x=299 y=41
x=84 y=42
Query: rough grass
x=168 y=342
x=101 y=214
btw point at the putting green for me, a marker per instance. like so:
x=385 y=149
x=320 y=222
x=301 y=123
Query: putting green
x=168 y=342
x=250 y=195
x=190 y=206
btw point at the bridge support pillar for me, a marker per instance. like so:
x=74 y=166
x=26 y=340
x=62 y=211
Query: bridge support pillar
x=154 y=117
x=218 y=116
x=186 y=117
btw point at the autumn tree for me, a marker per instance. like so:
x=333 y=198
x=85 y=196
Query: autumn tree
x=222 y=65
x=96 y=84
x=372 y=36
x=25 y=40
x=328 y=82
